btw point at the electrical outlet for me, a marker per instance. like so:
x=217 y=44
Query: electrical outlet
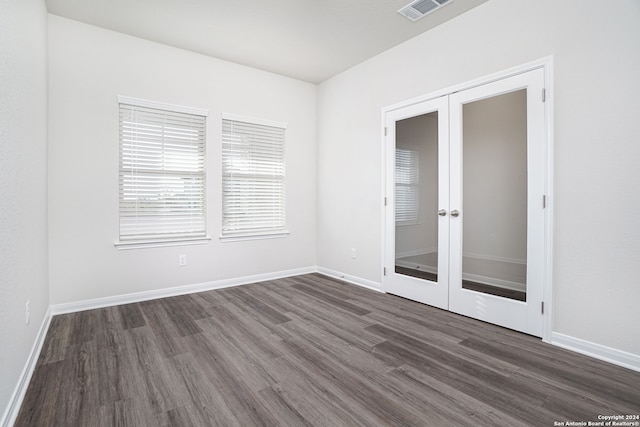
x=182 y=260
x=28 y=312
x=353 y=253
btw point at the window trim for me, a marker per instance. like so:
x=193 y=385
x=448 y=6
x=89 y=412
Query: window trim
x=160 y=243
x=128 y=244
x=254 y=236
x=162 y=106
x=253 y=120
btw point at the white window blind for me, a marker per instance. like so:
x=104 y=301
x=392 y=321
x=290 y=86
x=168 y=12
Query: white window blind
x=162 y=172
x=253 y=172
x=407 y=185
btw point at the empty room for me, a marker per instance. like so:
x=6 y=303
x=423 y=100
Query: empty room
x=319 y=213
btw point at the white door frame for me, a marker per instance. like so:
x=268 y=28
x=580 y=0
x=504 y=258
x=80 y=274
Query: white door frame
x=545 y=64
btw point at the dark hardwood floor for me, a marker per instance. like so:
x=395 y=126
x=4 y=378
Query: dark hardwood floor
x=309 y=350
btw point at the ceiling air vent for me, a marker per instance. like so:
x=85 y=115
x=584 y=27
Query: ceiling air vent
x=419 y=8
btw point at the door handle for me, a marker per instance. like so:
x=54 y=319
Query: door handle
x=442 y=212
x=455 y=213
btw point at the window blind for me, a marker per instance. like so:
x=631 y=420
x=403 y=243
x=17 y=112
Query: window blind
x=407 y=182
x=162 y=174
x=253 y=173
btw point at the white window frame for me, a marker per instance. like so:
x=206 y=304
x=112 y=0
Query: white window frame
x=268 y=168
x=131 y=236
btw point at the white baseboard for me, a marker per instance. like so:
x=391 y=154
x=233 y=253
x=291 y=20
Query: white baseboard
x=413 y=265
x=486 y=257
x=369 y=284
x=416 y=252
x=11 y=412
x=91 y=304
x=498 y=283
x=598 y=351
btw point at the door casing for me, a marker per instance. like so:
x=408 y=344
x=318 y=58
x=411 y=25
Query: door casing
x=544 y=64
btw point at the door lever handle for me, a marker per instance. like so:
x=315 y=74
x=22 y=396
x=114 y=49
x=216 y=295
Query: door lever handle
x=442 y=212
x=455 y=213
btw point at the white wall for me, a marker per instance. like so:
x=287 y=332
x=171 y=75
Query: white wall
x=89 y=67
x=23 y=185
x=596 y=106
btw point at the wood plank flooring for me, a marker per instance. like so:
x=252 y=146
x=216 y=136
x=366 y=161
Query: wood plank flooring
x=309 y=351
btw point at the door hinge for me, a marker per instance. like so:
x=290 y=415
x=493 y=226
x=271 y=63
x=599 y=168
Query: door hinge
x=544 y=95
x=384 y=271
x=385 y=201
x=542 y=307
x=544 y=201
x=385 y=131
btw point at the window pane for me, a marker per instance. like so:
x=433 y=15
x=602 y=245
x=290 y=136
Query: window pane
x=253 y=172
x=162 y=174
x=407 y=185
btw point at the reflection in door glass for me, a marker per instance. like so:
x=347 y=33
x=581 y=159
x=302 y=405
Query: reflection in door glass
x=416 y=197
x=494 y=153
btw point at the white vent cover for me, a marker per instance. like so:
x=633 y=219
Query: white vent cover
x=419 y=8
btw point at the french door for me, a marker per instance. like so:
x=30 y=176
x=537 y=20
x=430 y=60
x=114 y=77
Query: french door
x=465 y=183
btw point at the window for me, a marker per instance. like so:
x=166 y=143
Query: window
x=162 y=172
x=253 y=172
x=407 y=184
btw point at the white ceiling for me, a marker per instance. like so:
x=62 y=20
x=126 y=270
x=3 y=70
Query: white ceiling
x=311 y=40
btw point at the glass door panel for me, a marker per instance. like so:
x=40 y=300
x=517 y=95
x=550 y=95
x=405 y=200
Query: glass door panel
x=417 y=188
x=416 y=197
x=494 y=182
